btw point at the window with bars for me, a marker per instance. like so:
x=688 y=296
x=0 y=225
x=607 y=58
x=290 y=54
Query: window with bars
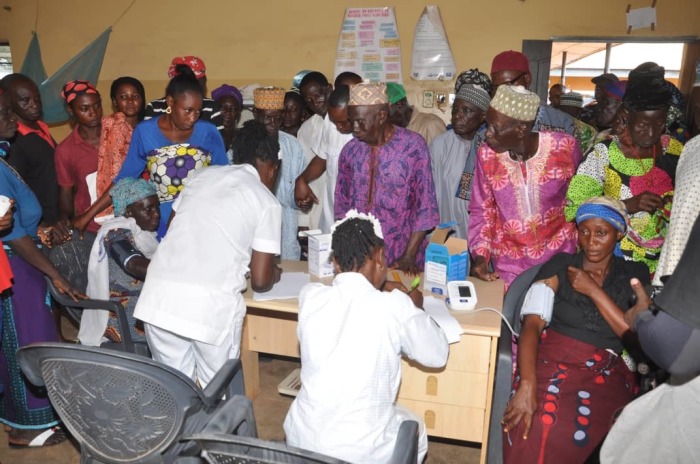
x=5 y=60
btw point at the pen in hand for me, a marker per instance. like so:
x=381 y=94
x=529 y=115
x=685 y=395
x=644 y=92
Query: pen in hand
x=414 y=284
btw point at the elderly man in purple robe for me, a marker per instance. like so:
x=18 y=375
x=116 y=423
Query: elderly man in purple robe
x=385 y=170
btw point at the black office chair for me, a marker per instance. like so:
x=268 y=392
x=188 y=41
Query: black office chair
x=406 y=448
x=124 y=408
x=227 y=449
x=71 y=259
x=504 y=362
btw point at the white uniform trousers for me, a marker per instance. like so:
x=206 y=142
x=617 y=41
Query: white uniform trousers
x=197 y=360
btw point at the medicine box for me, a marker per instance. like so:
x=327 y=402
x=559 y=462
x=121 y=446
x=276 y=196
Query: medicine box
x=320 y=263
x=446 y=259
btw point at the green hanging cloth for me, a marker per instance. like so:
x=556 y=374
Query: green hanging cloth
x=33 y=66
x=86 y=65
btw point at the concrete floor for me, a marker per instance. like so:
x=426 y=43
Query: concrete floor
x=270 y=411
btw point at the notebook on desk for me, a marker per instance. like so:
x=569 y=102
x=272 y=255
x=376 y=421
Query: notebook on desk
x=289 y=286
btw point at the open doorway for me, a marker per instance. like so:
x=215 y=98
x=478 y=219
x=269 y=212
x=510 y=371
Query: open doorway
x=574 y=64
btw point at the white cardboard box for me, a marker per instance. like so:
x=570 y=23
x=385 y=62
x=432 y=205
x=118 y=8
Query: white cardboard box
x=320 y=263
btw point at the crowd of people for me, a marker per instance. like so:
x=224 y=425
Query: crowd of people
x=183 y=203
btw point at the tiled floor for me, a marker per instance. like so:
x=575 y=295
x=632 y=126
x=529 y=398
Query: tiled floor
x=270 y=411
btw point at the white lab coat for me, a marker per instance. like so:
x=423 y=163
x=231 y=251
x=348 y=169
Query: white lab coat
x=352 y=337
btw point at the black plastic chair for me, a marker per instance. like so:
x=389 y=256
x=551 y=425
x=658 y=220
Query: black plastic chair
x=124 y=408
x=406 y=448
x=503 y=381
x=71 y=259
x=227 y=449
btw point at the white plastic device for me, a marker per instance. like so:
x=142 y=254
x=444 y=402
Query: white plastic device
x=462 y=295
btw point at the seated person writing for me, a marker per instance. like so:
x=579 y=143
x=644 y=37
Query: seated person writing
x=571 y=379
x=119 y=260
x=351 y=336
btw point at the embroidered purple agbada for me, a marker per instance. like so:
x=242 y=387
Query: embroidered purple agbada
x=402 y=194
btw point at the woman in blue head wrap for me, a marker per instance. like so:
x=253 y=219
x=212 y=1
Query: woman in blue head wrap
x=571 y=378
x=119 y=260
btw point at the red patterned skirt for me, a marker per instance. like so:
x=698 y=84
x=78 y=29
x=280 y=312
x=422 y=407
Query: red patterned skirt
x=580 y=389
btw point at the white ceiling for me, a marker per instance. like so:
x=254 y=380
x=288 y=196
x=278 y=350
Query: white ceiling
x=583 y=57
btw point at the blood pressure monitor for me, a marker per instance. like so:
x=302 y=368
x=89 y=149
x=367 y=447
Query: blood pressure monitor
x=462 y=295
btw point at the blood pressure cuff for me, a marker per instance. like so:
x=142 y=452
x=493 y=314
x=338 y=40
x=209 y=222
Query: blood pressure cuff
x=539 y=300
x=122 y=250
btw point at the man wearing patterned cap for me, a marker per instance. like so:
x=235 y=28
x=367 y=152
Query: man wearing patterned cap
x=571 y=103
x=385 y=170
x=449 y=153
x=157 y=107
x=77 y=155
x=481 y=80
x=404 y=115
x=268 y=109
x=637 y=167
x=513 y=68
x=518 y=196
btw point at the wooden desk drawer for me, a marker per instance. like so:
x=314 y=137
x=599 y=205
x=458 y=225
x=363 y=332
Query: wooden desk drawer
x=471 y=354
x=457 y=423
x=443 y=386
x=274 y=336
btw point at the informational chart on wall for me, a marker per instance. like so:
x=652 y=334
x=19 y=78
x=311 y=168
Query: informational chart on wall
x=431 y=58
x=369 y=45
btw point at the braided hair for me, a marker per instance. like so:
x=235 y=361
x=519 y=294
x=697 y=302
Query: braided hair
x=353 y=243
x=252 y=143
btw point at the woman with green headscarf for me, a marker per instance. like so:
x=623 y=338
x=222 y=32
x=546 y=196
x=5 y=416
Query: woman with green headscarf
x=119 y=260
